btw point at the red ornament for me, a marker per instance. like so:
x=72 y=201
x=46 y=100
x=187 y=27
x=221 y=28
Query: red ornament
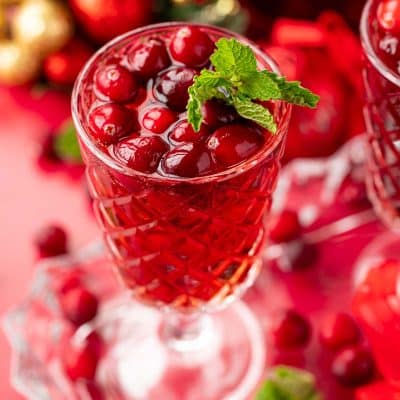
x=105 y=19
x=63 y=66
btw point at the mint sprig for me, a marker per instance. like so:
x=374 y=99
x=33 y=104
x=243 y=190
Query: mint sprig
x=66 y=143
x=237 y=81
x=286 y=383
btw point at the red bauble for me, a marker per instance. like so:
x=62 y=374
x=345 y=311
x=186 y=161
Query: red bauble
x=63 y=66
x=105 y=19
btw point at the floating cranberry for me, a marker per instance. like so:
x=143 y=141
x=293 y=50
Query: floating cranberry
x=285 y=226
x=291 y=330
x=339 y=330
x=158 y=119
x=216 y=113
x=115 y=82
x=184 y=132
x=79 y=361
x=187 y=160
x=141 y=153
x=171 y=87
x=388 y=14
x=149 y=58
x=109 y=122
x=234 y=143
x=353 y=366
x=191 y=46
x=51 y=241
x=79 y=305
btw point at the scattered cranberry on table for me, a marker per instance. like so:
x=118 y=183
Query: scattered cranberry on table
x=284 y=226
x=51 y=241
x=353 y=366
x=291 y=330
x=339 y=330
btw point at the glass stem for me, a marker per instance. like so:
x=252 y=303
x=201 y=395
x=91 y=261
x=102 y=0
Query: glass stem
x=186 y=332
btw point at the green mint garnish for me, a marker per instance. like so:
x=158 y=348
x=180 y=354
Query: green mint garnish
x=286 y=383
x=236 y=80
x=66 y=144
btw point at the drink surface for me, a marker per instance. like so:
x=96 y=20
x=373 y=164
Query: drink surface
x=183 y=212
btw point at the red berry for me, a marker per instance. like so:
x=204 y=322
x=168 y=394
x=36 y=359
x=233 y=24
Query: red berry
x=51 y=241
x=184 y=132
x=79 y=361
x=285 y=226
x=292 y=330
x=115 y=82
x=353 y=366
x=141 y=153
x=388 y=14
x=234 y=143
x=339 y=330
x=158 y=119
x=79 y=305
x=171 y=87
x=187 y=160
x=63 y=66
x=216 y=113
x=109 y=122
x=191 y=46
x=149 y=58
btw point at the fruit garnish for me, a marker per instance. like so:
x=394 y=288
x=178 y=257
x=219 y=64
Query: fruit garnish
x=237 y=81
x=286 y=383
x=66 y=144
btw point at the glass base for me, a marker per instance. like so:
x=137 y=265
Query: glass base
x=224 y=359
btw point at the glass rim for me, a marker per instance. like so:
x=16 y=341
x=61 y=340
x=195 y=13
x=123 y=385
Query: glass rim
x=125 y=170
x=369 y=49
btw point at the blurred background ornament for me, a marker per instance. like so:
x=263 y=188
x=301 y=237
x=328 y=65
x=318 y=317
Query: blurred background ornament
x=17 y=63
x=3 y=24
x=105 y=19
x=42 y=25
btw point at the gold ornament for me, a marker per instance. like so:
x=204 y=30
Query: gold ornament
x=42 y=25
x=17 y=63
x=3 y=24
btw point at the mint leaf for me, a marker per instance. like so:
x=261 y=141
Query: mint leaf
x=233 y=58
x=293 y=92
x=66 y=144
x=237 y=81
x=255 y=112
x=286 y=383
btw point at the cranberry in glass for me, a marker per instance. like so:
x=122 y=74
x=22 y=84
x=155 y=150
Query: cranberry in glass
x=388 y=15
x=191 y=46
x=171 y=87
x=141 y=153
x=115 y=82
x=233 y=143
x=158 y=119
x=184 y=132
x=216 y=113
x=109 y=122
x=148 y=58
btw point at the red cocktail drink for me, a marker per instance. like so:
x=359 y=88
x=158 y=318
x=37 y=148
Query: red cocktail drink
x=183 y=212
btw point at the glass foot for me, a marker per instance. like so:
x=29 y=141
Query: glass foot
x=224 y=359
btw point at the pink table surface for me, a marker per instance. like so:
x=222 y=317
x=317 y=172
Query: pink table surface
x=31 y=198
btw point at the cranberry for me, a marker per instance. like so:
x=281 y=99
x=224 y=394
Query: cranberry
x=339 y=330
x=234 y=143
x=292 y=330
x=353 y=366
x=47 y=151
x=187 y=160
x=298 y=255
x=158 y=119
x=141 y=153
x=96 y=344
x=184 y=132
x=191 y=46
x=388 y=14
x=109 y=122
x=79 y=305
x=149 y=58
x=51 y=241
x=115 y=82
x=79 y=361
x=285 y=226
x=171 y=87
x=216 y=113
